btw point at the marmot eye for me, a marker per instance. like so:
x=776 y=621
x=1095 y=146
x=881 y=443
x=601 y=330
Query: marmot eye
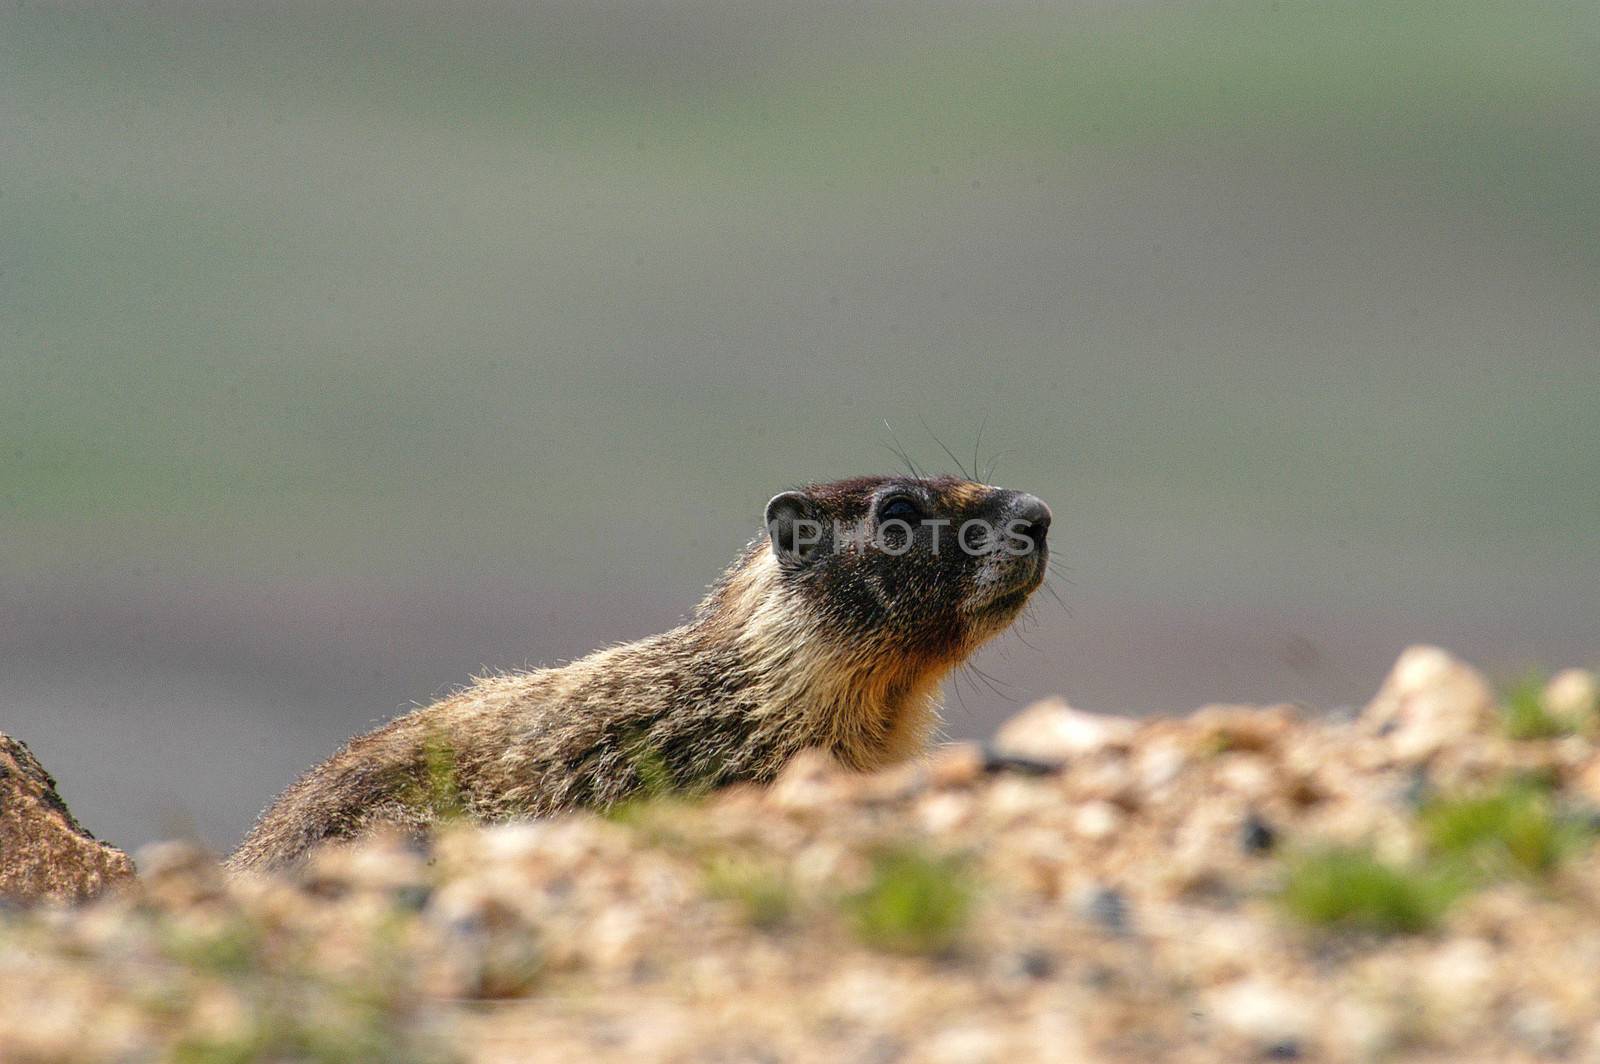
x=899 y=508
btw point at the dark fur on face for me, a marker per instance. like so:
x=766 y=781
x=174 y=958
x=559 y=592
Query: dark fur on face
x=833 y=629
x=932 y=565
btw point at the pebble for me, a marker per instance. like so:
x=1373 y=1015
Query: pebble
x=1097 y=820
x=1159 y=763
x=1053 y=733
x=1573 y=694
x=1108 y=907
x=1256 y=836
x=994 y=761
x=811 y=781
x=940 y=813
x=957 y=765
x=1269 y=1016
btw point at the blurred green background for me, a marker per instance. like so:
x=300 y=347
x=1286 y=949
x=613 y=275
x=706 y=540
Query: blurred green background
x=349 y=347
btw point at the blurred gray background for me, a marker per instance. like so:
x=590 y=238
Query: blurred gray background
x=348 y=348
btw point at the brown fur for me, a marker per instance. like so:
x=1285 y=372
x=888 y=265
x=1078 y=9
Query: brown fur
x=843 y=652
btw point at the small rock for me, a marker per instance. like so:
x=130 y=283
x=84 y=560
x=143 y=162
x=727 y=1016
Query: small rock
x=1430 y=699
x=865 y=996
x=1264 y=1014
x=1011 y=799
x=1035 y=964
x=1159 y=764
x=1457 y=979
x=384 y=863
x=1097 y=820
x=1246 y=774
x=1256 y=836
x=1110 y=779
x=1538 y=1026
x=1573 y=694
x=963 y=1045
x=175 y=859
x=957 y=765
x=994 y=762
x=1108 y=907
x=1418 y=789
x=892 y=784
x=941 y=813
x=179 y=875
x=45 y=854
x=488 y=950
x=811 y=780
x=1255 y=729
x=1361 y=1028
x=1587 y=781
x=1052 y=732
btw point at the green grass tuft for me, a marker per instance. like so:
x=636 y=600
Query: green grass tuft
x=231 y=949
x=1524 y=713
x=763 y=894
x=916 y=902
x=292 y=1010
x=1352 y=889
x=282 y=1034
x=1514 y=829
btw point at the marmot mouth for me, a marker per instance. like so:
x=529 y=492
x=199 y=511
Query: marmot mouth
x=1012 y=599
x=1008 y=602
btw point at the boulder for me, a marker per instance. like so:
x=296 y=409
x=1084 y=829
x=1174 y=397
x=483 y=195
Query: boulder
x=1431 y=699
x=45 y=854
x=1052 y=733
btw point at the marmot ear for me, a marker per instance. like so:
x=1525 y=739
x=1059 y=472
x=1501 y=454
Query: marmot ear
x=793 y=527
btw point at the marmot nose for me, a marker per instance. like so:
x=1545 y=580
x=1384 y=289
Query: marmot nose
x=1032 y=517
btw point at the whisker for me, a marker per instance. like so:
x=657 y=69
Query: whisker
x=903 y=459
x=955 y=683
x=1058 y=569
x=986 y=680
x=988 y=474
x=977 y=444
x=900 y=449
x=990 y=679
x=947 y=451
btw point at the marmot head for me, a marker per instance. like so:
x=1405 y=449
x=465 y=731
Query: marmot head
x=932 y=566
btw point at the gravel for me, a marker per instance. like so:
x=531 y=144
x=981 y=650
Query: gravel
x=1091 y=889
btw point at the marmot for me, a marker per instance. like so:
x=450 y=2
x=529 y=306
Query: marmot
x=833 y=629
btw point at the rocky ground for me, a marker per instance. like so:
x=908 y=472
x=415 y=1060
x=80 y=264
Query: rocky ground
x=1414 y=883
